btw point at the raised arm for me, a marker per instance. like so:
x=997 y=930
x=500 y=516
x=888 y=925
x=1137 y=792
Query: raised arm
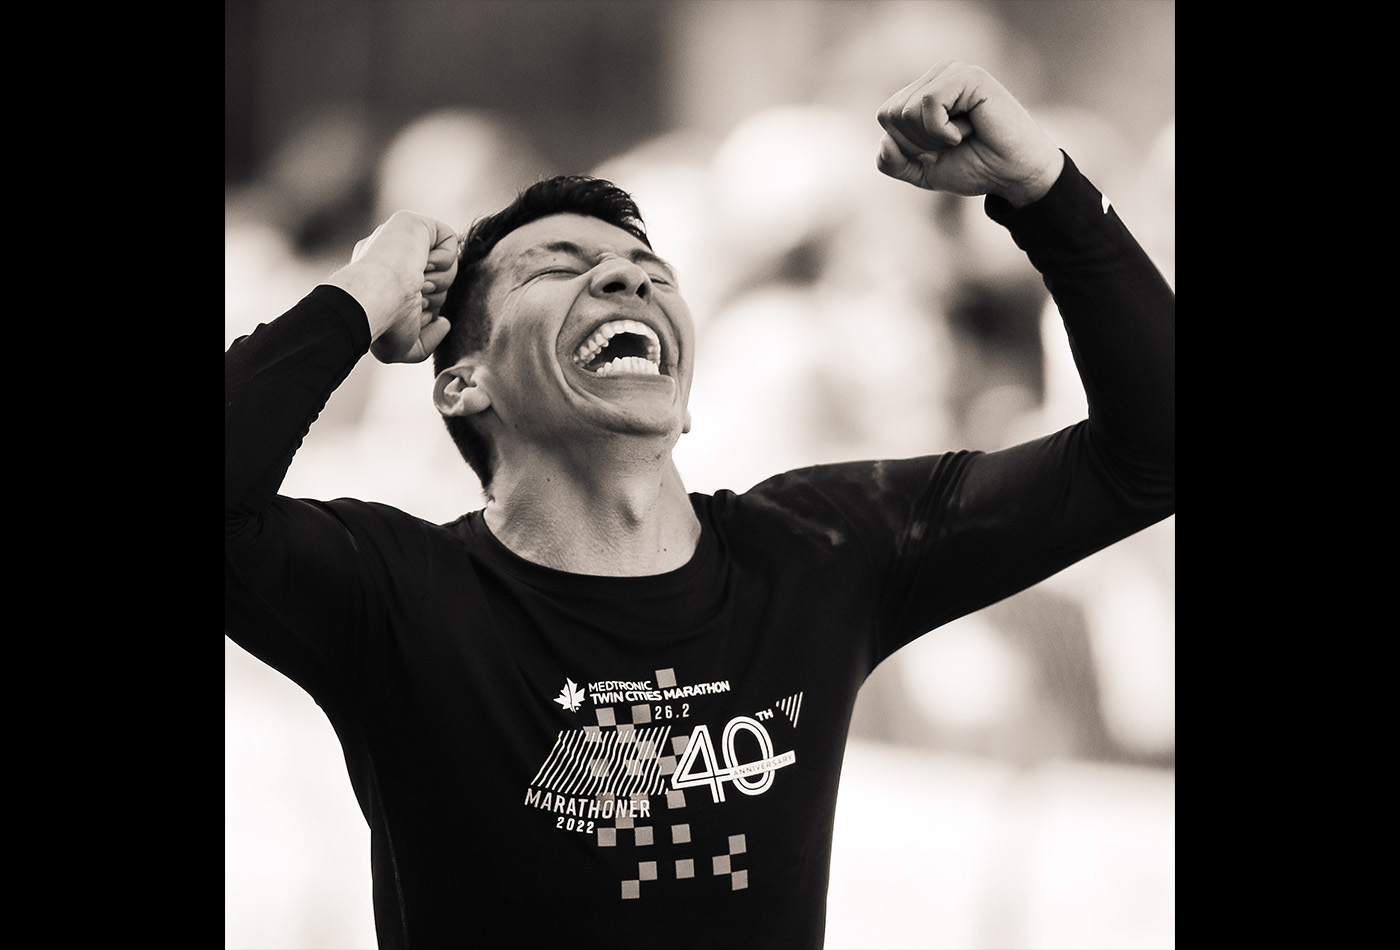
x=1010 y=518
x=290 y=565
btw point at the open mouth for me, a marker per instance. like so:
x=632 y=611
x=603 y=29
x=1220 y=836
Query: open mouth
x=621 y=348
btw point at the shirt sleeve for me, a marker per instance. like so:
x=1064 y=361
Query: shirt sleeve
x=1119 y=314
x=293 y=584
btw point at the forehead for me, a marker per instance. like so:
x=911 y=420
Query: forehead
x=552 y=236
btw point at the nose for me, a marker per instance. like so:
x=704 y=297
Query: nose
x=617 y=275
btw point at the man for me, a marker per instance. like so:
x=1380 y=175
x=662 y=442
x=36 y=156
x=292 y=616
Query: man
x=602 y=709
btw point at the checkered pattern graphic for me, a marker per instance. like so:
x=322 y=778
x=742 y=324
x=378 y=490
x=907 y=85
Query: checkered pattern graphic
x=724 y=863
x=685 y=868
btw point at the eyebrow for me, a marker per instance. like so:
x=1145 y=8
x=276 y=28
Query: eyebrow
x=637 y=255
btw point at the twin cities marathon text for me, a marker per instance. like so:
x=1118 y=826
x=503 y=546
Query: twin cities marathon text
x=618 y=691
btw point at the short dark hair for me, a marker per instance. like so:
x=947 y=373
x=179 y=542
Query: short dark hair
x=465 y=303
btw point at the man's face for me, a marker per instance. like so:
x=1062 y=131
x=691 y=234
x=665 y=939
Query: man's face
x=589 y=334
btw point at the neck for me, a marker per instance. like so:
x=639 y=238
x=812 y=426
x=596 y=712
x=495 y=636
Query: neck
x=619 y=513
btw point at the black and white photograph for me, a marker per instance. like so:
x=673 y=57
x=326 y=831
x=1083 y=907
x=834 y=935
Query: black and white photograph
x=699 y=473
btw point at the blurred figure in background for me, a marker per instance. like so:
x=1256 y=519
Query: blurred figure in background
x=812 y=251
x=313 y=194
x=434 y=648
x=452 y=163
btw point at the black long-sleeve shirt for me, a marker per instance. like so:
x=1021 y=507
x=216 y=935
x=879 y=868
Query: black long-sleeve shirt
x=598 y=759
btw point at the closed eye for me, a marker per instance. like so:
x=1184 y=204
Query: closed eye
x=568 y=272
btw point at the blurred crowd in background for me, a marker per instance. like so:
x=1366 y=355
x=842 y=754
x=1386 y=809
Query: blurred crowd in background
x=840 y=314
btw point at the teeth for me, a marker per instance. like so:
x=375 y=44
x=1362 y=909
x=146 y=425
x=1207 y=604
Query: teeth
x=592 y=346
x=629 y=365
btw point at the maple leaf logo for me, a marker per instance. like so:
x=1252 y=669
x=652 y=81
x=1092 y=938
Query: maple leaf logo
x=570 y=696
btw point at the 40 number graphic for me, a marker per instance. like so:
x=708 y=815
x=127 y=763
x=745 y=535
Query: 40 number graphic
x=700 y=767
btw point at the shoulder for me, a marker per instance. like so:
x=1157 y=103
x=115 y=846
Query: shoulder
x=384 y=526
x=837 y=502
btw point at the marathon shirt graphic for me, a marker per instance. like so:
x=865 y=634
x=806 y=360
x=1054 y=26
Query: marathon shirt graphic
x=649 y=770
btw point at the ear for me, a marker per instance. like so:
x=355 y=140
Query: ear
x=455 y=392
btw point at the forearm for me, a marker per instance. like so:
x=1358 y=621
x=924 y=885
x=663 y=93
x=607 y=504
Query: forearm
x=276 y=380
x=1119 y=314
x=377 y=290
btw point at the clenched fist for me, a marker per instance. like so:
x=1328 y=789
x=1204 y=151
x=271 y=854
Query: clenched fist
x=400 y=275
x=957 y=129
